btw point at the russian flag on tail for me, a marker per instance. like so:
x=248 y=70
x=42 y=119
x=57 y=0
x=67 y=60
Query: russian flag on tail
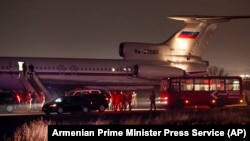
x=188 y=34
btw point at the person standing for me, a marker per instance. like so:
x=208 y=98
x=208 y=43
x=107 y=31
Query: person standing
x=28 y=101
x=42 y=99
x=129 y=100
x=134 y=99
x=33 y=100
x=31 y=70
x=152 y=101
x=24 y=67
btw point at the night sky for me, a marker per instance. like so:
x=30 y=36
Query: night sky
x=95 y=28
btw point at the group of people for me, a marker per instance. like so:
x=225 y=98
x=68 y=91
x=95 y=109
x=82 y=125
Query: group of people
x=126 y=100
x=30 y=100
x=28 y=71
x=122 y=101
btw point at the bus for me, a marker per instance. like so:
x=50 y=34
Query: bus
x=211 y=91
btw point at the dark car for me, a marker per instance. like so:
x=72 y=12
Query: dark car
x=8 y=101
x=79 y=103
x=95 y=101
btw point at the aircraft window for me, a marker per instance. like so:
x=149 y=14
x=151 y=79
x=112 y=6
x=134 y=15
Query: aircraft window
x=97 y=69
x=36 y=67
x=101 y=69
x=3 y=67
x=41 y=68
x=53 y=68
x=93 y=69
x=89 y=68
x=48 y=68
x=45 y=68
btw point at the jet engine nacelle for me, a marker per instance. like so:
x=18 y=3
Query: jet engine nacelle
x=140 y=51
x=156 y=72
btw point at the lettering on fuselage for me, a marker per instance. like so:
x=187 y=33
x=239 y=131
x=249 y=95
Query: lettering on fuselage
x=146 y=51
x=61 y=68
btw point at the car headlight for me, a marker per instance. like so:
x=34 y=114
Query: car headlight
x=52 y=105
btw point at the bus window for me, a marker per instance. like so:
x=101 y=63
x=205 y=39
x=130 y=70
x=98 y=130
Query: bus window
x=186 y=84
x=215 y=84
x=164 y=85
x=201 y=84
x=232 y=84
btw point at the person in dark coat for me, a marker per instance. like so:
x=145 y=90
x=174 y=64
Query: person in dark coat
x=152 y=101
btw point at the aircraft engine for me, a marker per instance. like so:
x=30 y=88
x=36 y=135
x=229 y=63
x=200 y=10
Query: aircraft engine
x=156 y=72
x=140 y=51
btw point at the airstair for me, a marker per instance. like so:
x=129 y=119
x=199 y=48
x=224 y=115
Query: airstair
x=34 y=84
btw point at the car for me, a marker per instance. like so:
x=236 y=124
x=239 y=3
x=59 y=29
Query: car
x=78 y=103
x=95 y=101
x=8 y=101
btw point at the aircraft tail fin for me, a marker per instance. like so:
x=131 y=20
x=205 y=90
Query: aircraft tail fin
x=187 y=43
x=193 y=37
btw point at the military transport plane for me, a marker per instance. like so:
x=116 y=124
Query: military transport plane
x=142 y=66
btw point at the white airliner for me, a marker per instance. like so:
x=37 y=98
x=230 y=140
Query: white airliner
x=142 y=67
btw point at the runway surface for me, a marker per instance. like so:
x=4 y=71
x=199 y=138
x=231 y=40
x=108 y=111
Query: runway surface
x=10 y=122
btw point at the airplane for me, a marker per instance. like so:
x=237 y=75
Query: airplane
x=142 y=66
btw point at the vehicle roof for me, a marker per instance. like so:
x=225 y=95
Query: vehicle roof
x=85 y=91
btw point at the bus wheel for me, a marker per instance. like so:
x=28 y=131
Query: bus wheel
x=220 y=104
x=212 y=106
x=179 y=104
